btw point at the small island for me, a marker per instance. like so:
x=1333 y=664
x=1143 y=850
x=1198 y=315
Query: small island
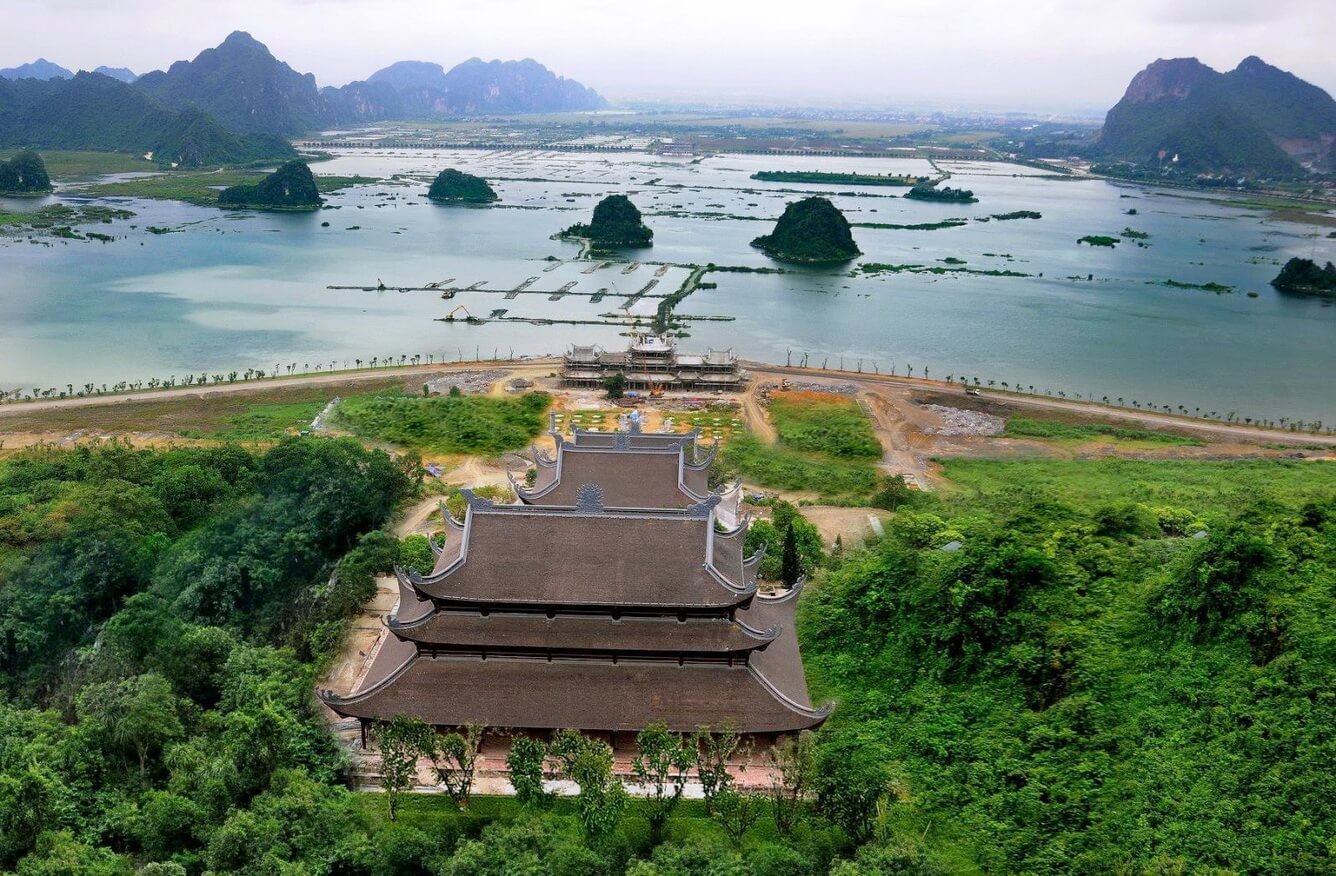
x=818 y=176
x=1306 y=277
x=456 y=187
x=24 y=176
x=811 y=231
x=290 y=187
x=616 y=222
x=930 y=192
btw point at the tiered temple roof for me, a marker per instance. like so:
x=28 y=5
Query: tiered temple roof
x=651 y=361
x=635 y=470
x=592 y=615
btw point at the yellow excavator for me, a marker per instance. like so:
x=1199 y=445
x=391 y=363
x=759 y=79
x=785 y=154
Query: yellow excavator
x=468 y=317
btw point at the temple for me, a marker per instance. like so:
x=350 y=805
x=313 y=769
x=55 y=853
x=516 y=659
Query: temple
x=612 y=596
x=635 y=470
x=652 y=362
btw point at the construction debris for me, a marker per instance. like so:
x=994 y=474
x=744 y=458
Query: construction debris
x=963 y=422
x=467 y=381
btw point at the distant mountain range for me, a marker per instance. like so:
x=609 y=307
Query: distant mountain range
x=1256 y=120
x=421 y=89
x=44 y=69
x=234 y=102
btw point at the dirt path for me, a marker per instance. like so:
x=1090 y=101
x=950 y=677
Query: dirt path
x=758 y=422
x=893 y=430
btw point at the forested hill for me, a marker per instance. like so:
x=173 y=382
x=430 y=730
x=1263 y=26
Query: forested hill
x=92 y=111
x=242 y=85
x=1255 y=120
x=1124 y=667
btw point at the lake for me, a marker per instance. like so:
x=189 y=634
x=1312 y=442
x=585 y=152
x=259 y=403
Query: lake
x=234 y=291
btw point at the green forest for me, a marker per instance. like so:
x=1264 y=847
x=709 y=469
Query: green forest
x=811 y=231
x=455 y=186
x=1124 y=667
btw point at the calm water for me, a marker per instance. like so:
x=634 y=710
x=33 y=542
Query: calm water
x=228 y=293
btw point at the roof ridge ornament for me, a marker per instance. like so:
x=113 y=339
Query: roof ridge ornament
x=703 y=509
x=476 y=502
x=589 y=499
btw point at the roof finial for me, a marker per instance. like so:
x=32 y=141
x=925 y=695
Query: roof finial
x=589 y=499
x=703 y=509
x=476 y=502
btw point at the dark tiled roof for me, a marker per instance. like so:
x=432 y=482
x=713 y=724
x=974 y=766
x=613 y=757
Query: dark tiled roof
x=629 y=478
x=544 y=557
x=505 y=630
x=585 y=694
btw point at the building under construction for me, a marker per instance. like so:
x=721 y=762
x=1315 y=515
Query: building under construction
x=652 y=362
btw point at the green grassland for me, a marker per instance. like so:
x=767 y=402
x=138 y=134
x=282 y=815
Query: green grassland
x=201 y=187
x=829 y=424
x=447 y=424
x=265 y=413
x=68 y=165
x=1084 y=484
x=826 y=446
x=1076 y=433
x=785 y=469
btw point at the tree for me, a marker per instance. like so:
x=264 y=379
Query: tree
x=137 y=715
x=588 y=763
x=401 y=742
x=790 y=567
x=892 y=493
x=851 y=782
x=660 y=765
x=525 y=762
x=714 y=749
x=615 y=384
x=791 y=767
x=737 y=810
x=454 y=758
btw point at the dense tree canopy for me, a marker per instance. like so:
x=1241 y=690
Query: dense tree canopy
x=812 y=230
x=457 y=187
x=616 y=222
x=24 y=174
x=291 y=186
x=1306 y=276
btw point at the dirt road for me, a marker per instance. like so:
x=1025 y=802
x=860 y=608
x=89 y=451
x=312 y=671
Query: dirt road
x=762 y=372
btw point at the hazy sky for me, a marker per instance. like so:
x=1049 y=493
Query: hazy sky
x=1030 y=54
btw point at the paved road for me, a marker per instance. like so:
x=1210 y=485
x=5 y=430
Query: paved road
x=1219 y=431
x=254 y=386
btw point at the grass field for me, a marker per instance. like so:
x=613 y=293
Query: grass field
x=785 y=469
x=819 y=422
x=66 y=165
x=266 y=413
x=201 y=187
x=447 y=424
x=826 y=446
x=1080 y=433
x=1084 y=484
